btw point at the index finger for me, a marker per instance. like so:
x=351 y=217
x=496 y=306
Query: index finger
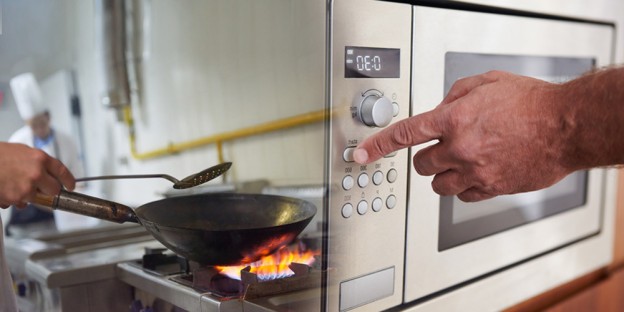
x=405 y=133
x=56 y=169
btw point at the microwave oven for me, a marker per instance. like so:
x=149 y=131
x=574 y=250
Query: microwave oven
x=393 y=242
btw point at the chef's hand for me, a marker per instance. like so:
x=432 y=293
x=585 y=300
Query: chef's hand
x=494 y=134
x=24 y=171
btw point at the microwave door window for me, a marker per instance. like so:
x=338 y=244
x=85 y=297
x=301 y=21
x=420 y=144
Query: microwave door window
x=462 y=222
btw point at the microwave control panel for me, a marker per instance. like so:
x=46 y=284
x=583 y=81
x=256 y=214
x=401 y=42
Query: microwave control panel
x=370 y=90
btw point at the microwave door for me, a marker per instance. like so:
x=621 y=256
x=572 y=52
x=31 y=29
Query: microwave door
x=449 y=242
x=462 y=222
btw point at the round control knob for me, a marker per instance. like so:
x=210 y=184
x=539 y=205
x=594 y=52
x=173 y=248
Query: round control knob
x=376 y=111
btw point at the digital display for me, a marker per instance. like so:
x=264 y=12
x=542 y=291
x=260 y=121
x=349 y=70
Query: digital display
x=362 y=62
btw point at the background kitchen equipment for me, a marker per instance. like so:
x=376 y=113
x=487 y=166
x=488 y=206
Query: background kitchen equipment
x=110 y=241
x=211 y=229
x=190 y=181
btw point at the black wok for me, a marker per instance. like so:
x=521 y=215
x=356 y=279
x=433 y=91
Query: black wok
x=211 y=229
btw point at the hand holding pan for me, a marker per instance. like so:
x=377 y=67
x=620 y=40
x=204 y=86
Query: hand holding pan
x=211 y=229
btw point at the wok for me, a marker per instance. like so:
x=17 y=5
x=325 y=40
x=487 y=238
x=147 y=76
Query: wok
x=211 y=229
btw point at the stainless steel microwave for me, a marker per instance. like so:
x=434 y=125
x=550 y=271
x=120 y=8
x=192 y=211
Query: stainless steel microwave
x=393 y=241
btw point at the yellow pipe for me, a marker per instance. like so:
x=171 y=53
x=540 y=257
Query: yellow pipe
x=220 y=151
x=279 y=124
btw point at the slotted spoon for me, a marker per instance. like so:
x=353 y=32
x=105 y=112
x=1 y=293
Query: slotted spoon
x=190 y=181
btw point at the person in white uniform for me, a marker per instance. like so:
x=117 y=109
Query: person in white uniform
x=25 y=171
x=39 y=134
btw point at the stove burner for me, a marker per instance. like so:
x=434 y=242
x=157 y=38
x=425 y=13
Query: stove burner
x=207 y=279
x=156 y=262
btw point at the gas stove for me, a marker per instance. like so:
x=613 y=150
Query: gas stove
x=121 y=271
x=165 y=279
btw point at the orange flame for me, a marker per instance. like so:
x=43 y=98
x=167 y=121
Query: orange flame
x=273 y=266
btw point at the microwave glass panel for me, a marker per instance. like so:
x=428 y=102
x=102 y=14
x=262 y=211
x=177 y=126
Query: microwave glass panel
x=462 y=222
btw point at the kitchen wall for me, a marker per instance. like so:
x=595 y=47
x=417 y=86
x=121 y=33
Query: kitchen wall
x=209 y=67
x=35 y=39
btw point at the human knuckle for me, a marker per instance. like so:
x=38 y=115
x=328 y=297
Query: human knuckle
x=401 y=134
x=455 y=118
x=459 y=83
x=40 y=156
x=378 y=146
x=417 y=165
x=482 y=178
x=465 y=197
x=493 y=74
x=63 y=171
x=463 y=150
x=441 y=185
x=470 y=196
x=437 y=186
x=25 y=189
x=21 y=195
x=35 y=175
x=495 y=188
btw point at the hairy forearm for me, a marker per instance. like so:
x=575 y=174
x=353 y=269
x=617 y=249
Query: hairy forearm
x=592 y=111
x=500 y=133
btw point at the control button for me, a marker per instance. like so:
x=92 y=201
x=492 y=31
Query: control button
x=347 y=155
x=377 y=204
x=347 y=210
x=392 y=175
x=391 y=154
x=375 y=111
x=347 y=183
x=377 y=177
x=391 y=201
x=362 y=207
x=395 y=109
x=363 y=180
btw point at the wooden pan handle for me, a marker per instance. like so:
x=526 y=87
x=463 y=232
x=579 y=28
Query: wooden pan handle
x=88 y=206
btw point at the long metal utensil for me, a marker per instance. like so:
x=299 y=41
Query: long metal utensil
x=190 y=181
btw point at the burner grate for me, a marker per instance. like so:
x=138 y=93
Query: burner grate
x=208 y=280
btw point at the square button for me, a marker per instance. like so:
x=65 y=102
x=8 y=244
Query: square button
x=347 y=155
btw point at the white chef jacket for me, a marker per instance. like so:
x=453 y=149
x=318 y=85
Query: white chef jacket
x=7 y=295
x=66 y=148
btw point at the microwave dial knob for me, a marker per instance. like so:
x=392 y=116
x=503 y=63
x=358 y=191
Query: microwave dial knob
x=376 y=111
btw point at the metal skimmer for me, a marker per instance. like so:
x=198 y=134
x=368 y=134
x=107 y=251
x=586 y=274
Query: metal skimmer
x=190 y=181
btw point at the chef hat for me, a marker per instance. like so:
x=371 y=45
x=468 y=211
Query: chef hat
x=27 y=96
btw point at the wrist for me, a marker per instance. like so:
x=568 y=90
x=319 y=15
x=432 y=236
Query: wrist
x=591 y=113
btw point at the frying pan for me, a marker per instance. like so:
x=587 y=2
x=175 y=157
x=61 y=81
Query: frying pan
x=211 y=229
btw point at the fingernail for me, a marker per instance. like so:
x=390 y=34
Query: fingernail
x=360 y=155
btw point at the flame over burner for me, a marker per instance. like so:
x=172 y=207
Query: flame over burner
x=273 y=266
